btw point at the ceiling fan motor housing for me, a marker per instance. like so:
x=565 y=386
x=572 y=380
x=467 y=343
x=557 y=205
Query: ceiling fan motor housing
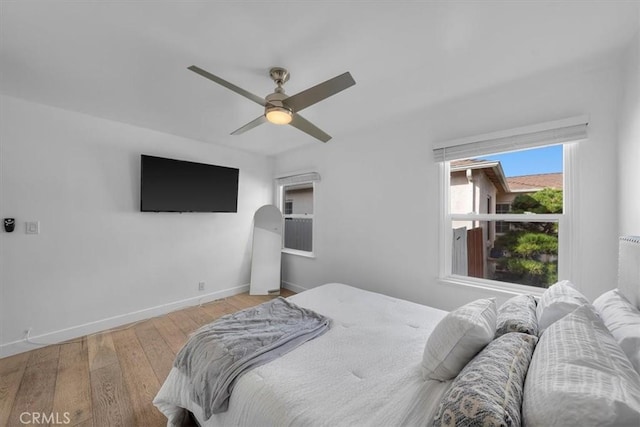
x=276 y=99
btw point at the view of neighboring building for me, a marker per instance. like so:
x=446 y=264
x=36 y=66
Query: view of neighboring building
x=481 y=187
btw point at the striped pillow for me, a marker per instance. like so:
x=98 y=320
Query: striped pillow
x=579 y=376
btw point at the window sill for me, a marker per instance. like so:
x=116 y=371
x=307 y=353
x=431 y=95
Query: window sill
x=492 y=285
x=296 y=252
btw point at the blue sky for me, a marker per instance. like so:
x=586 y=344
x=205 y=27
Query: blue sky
x=529 y=162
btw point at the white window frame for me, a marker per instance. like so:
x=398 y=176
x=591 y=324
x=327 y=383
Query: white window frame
x=304 y=178
x=567 y=221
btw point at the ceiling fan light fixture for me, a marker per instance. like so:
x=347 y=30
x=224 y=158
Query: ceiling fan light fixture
x=278 y=115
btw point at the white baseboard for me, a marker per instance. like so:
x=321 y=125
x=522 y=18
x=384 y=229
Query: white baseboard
x=293 y=287
x=62 y=335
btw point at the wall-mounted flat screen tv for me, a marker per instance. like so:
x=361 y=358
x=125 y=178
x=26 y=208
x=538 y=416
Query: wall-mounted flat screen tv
x=169 y=185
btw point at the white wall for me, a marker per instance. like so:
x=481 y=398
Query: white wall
x=98 y=258
x=385 y=239
x=629 y=154
x=461 y=196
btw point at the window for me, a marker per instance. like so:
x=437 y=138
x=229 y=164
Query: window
x=506 y=217
x=503 y=208
x=298 y=222
x=296 y=201
x=502 y=226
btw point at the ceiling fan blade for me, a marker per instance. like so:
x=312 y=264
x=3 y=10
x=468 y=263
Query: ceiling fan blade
x=253 y=123
x=317 y=93
x=307 y=127
x=255 y=98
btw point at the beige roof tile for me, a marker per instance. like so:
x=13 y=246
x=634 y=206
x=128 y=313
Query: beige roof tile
x=535 y=182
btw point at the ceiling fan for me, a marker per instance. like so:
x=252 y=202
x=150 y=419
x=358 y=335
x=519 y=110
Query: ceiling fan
x=282 y=109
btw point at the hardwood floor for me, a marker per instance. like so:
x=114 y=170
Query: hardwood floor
x=105 y=379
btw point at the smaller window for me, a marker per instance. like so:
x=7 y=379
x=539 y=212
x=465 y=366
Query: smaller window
x=296 y=199
x=297 y=205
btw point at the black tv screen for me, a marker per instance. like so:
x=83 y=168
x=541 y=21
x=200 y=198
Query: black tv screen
x=169 y=185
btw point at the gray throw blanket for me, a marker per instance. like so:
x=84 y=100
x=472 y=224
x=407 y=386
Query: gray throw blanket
x=217 y=354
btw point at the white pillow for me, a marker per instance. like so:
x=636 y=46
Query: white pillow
x=623 y=320
x=579 y=376
x=458 y=337
x=556 y=302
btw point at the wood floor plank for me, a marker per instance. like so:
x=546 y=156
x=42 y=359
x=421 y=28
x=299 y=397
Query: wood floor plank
x=173 y=336
x=183 y=321
x=240 y=302
x=73 y=385
x=156 y=349
x=36 y=388
x=199 y=315
x=101 y=351
x=9 y=384
x=139 y=378
x=217 y=309
x=109 y=398
x=286 y=293
x=14 y=363
x=11 y=372
x=85 y=423
x=44 y=354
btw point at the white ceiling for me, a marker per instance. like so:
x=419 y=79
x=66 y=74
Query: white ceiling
x=127 y=61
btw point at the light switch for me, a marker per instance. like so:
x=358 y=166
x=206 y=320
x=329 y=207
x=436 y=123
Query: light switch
x=33 y=227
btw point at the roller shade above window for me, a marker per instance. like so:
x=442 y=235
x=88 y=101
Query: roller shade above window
x=297 y=179
x=550 y=133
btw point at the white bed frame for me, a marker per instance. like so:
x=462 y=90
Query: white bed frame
x=629 y=268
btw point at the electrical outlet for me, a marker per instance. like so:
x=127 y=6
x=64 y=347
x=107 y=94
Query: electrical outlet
x=201 y=286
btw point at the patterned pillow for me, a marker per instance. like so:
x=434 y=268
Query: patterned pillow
x=488 y=391
x=579 y=376
x=518 y=314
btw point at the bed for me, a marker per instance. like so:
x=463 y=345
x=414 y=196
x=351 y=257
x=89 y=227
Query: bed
x=386 y=361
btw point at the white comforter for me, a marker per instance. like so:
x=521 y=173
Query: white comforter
x=364 y=371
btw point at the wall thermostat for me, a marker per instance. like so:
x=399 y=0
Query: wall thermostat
x=9 y=224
